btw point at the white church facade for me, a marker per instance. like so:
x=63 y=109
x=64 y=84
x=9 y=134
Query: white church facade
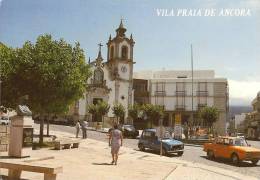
x=111 y=80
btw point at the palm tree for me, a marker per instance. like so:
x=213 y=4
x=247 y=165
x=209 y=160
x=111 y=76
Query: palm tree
x=92 y=109
x=102 y=109
x=118 y=111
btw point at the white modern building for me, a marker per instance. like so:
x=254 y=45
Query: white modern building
x=239 y=119
x=173 y=90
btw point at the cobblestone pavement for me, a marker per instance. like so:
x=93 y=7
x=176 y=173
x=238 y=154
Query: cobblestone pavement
x=191 y=154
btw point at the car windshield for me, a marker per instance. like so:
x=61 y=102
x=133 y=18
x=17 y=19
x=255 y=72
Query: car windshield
x=240 y=142
x=167 y=135
x=129 y=126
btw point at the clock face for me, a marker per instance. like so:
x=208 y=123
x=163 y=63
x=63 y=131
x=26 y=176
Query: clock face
x=123 y=69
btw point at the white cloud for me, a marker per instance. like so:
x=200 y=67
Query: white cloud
x=241 y=92
x=251 y=3
x=208 y=3
x=1 y=2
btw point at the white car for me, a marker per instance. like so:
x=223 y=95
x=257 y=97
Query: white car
x=4 y=120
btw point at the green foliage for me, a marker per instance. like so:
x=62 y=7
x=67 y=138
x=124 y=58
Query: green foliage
x=153 y=112
x=92 y=109
x=209 y=115
x=133 y=111
x=7 y=58
x=102 y=108
x=118 y=110
x=52 y=72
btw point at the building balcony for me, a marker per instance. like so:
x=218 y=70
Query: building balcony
x=180 y=93
x=200 y=106
x=159 y=93
x=202 y=93
x=138 y=93
x=180 y=107
x=97 y=84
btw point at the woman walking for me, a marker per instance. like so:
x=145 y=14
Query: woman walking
x=115 y=141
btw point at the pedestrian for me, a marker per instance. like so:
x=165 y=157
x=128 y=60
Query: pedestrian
x=115 y=141
x=84 y=129
x=77 y=128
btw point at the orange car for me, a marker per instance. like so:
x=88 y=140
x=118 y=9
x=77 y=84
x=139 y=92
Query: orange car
x=234 y=148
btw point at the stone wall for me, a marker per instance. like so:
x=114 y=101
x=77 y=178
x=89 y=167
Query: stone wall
x=4 y=138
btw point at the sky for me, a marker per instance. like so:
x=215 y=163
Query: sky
x=230 y=45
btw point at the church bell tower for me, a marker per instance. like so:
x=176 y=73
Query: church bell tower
x=120 y=63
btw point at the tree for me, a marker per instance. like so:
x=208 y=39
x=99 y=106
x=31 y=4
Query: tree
x=118 y=111
x=133 y=111
x=153 y=113
x=52 y=72
x=7 y=57
x=102 y=109
x=209 y=115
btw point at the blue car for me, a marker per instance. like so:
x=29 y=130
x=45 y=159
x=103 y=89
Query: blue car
x=149 y=140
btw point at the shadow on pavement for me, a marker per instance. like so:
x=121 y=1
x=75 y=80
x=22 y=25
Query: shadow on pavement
x=158 y=153
x=106 y=164
x=3 y=177
x=228 y=162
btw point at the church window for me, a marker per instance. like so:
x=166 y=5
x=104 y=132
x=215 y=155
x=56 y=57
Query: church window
x=124 y=52
x=112 y=52
x=98 y=76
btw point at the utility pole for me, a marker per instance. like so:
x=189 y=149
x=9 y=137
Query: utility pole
x=192 y=84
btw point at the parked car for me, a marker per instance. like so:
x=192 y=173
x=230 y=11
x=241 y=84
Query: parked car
x=129 y=130
x=4 y=120
x=241 y=135
x=234 y=148
x=149 y=140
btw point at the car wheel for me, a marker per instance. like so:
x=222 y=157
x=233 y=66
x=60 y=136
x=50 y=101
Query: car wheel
x=210 y=154
x=254 y=162
x=235 y=159
x=164 y=152
x=141 y=147
x=180 y=153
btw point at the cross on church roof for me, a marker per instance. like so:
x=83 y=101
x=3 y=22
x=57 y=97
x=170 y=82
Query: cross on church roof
x=100 y=45
x=99 y=52
x=121 y=22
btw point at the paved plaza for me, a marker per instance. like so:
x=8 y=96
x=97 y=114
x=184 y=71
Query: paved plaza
x=92 y=161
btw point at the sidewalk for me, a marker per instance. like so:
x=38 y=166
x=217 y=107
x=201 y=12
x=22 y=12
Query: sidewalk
x=92 y=161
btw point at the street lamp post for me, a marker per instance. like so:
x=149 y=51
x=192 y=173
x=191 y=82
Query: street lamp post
x=192 y=85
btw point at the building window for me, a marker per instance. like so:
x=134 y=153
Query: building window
x=202 y=89
x=98 y=76
x=160 y=89
x=124 y=52
x=160 y=86
x=180 y=89
x=112 y=52
x=202 y=94
x=180 y=96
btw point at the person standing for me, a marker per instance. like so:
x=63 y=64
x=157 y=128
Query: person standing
x=84 y=129
x=115 y=141
x=77 y=128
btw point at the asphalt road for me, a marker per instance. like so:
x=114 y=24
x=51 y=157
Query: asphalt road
x=191 y=153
